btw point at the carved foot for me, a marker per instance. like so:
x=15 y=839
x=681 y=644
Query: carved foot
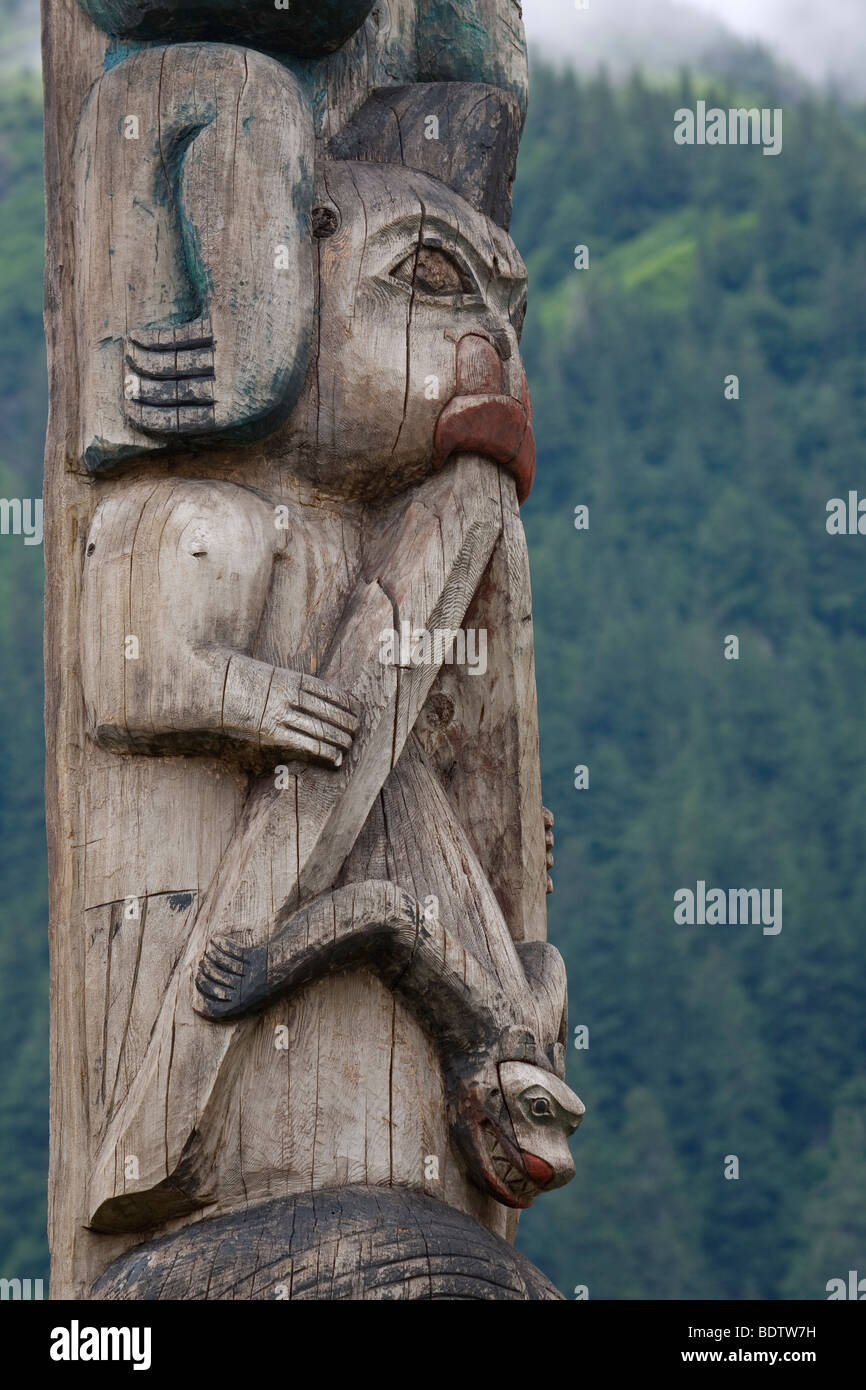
x=232 y=979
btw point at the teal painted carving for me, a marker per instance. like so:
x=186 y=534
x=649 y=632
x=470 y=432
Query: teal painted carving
x=308 y=28
x=195 y=289
x=473 y=41
x=195 y=165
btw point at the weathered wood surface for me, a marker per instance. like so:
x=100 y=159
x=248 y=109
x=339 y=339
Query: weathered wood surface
x=297 y=884
x=356 y=1243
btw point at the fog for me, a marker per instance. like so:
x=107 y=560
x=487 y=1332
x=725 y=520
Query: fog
x=824 y=41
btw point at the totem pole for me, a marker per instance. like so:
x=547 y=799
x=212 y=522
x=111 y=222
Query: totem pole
x=307 y=1035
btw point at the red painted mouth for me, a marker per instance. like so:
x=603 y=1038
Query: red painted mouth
x=480 y=419
x=540 y=1172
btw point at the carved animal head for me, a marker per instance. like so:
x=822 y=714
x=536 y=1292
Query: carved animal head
x=421 y=303
x=513 y=1124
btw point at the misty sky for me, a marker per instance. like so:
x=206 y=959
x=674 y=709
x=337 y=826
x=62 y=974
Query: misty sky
x=821 y=37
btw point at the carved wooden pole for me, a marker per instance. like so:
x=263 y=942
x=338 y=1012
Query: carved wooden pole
x=307 y=1036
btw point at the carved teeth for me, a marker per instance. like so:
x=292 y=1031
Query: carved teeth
x=511 y=1177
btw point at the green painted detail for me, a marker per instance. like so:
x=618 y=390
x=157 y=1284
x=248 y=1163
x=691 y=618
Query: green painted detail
x=307 y=27
x=118 y=51
x=100 y=457
x=456 y=45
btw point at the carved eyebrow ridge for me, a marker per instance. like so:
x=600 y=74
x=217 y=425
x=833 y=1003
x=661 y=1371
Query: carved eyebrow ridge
x=439 y=233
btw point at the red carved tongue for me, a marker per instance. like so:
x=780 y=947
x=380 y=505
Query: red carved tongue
x=481 y=419
x=536 y=1168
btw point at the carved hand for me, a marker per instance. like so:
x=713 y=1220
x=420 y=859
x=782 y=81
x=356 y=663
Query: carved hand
x=307 y=717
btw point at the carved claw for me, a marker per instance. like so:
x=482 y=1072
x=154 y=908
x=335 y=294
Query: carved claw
x=231 y=979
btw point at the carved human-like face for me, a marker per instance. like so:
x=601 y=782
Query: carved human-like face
x=421 y=301
x=514 y=1132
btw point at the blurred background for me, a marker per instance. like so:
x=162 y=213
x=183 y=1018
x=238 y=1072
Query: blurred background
x=707 y=517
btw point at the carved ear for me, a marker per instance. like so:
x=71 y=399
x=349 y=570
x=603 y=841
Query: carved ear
x=546 y=977
x=464 y=133
x=308 y=28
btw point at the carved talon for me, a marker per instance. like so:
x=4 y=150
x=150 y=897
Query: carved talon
x=231 y=979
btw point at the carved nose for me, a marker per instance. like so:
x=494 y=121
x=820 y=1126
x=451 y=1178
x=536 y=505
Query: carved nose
x=484 y=418
x=479 y=367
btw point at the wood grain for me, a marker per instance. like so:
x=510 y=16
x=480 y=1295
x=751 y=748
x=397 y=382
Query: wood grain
x=299 y=981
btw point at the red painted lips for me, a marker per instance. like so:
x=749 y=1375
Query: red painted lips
x=480 y=419
x=536 y=1168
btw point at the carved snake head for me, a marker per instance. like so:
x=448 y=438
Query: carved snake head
x=513 y=1123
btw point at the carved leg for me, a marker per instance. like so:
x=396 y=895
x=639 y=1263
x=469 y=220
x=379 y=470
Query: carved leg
x=194 y=170
x=511 y=1114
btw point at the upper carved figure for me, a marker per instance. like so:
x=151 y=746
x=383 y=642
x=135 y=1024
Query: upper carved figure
x=406 y=40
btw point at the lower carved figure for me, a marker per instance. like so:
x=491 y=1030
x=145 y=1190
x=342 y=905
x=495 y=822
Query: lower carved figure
x=358 y=1243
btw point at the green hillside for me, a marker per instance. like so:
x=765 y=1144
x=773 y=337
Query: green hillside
x=707 y=518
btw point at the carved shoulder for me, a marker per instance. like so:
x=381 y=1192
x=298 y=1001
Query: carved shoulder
x=176 y=575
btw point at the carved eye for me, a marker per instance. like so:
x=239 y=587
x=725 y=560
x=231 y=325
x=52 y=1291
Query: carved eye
x=434 y=271
x=541 y=1107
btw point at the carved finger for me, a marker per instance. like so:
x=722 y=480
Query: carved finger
x=165 y=391
x=317 y=728
x=549 y=861
x=214 y=969
x=168 y=338
x=330 y=716
x=168 y=419
x=547 y=817
x=217 y=977
x=295 y=742
x=227 y=947
x=167 y=366
x=320 y=698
